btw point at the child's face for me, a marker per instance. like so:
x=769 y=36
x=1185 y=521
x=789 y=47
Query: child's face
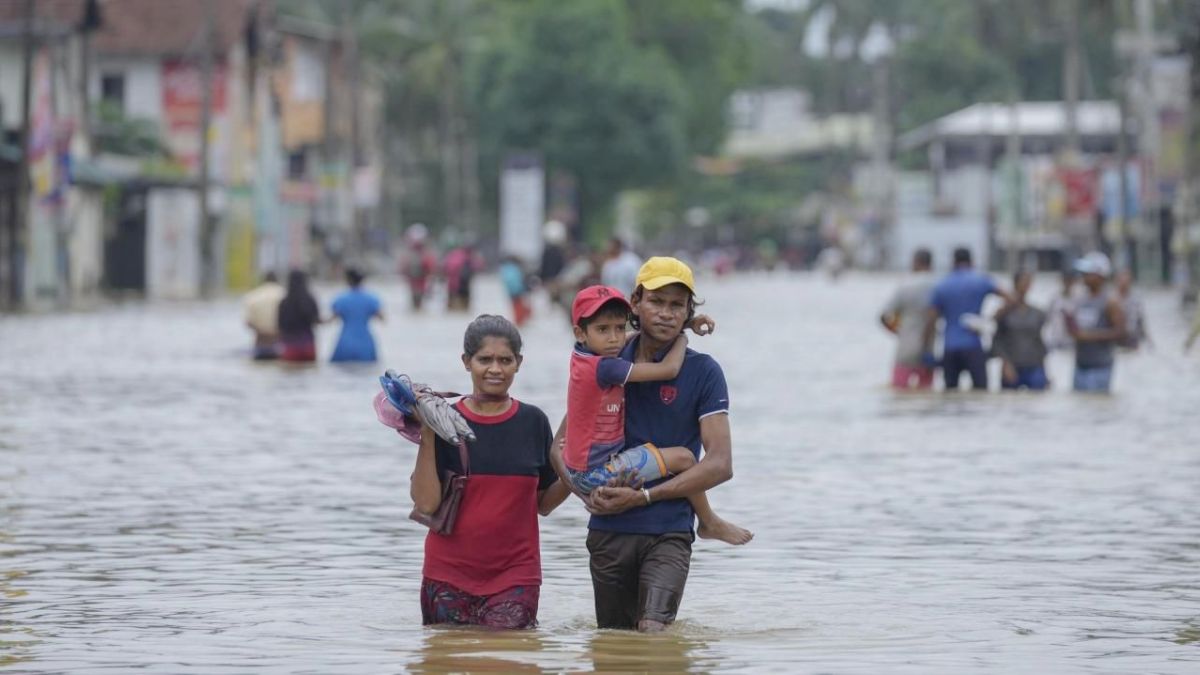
x=605 y=335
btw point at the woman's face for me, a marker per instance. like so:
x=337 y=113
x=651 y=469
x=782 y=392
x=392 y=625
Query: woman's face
x=492 y=367
x=1024 y=281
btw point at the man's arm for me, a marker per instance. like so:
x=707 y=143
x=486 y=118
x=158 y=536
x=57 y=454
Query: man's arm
x=714 y=468
x=1193 y=333
x=890 y=315
x=931 y=319
x=1116 y=316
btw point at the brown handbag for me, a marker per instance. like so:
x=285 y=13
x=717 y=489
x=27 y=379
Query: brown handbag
x=454 y=485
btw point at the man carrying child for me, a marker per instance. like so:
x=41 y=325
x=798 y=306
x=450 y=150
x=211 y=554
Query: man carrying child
x=674 y=402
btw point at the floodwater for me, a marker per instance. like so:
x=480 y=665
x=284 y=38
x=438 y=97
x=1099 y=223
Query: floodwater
x=169 y=506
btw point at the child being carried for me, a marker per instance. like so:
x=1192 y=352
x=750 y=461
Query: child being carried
x=594 y=449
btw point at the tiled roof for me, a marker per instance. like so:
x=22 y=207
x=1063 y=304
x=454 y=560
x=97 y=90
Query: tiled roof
x=146 y=27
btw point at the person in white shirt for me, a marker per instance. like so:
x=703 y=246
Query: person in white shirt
x=261 y=311
x=620 y=267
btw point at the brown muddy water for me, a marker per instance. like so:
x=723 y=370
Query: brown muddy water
x=167 y=506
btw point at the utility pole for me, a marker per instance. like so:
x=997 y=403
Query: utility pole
x=17 y=229
x=327 y=179
x=1070 y=74
x=451 y=170
x=1123 y=156
x=1147 y=105
x=881 y=174
x=207 y=257
x=350 y=35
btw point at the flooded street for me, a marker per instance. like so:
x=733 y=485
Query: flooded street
x=170 y=506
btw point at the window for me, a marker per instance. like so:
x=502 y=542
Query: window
x=112 y=89
x=297 y=165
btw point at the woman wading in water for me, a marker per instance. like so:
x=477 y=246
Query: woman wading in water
x=489 y=571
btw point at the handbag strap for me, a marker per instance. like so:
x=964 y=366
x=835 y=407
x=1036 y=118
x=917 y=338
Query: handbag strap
x=464 y=457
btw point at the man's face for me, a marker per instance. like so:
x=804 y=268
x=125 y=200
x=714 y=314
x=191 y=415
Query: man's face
x=1094 y=282
x=663 y=311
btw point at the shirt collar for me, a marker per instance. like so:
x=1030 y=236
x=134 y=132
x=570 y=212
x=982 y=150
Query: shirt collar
x=630 y=351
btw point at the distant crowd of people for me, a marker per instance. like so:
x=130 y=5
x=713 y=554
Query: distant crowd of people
x=284 y=320
x=1093 y=314
x=562 y=271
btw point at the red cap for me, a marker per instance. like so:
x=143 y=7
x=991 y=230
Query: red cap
x=591 y=298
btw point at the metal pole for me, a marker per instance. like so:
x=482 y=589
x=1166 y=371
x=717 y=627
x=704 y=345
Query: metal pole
x=356 y=245
x=207 y=262
x=1148 y=144
x=1071 y=59
x=326 y=179
x=1123 y=156
x=18 y=226
x=881 y=144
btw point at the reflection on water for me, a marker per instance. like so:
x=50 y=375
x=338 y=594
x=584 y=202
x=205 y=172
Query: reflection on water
x=459 y=650
x=169 y=506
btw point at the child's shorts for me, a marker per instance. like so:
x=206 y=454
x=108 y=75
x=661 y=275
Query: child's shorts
x=643 y=462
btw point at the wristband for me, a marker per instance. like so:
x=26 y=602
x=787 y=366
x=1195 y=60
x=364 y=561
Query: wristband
x=646 y=494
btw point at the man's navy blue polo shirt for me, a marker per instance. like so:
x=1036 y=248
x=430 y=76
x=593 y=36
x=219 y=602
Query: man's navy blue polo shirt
x=667 y=413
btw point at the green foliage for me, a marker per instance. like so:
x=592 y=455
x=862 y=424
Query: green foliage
x=708 y=44
x=924 y=67
x=762 y=199
x=572 y=84
x=120 y=135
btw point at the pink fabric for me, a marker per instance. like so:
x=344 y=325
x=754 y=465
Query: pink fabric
x=407 y=427
x=912 y=377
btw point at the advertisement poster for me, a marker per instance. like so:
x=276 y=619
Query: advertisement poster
x=183 y=104
x=172 y=244
x=522 y=206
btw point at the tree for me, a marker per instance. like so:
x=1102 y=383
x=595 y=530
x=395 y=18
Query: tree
x=570 y=83
x=420 y=51
x=708 y=43
x=937 y=77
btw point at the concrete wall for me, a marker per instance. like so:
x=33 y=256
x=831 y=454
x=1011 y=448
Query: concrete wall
x=10 y=84
x=958 y=218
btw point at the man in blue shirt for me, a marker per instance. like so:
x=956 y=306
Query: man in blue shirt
x=640 y=540
x=958 y=299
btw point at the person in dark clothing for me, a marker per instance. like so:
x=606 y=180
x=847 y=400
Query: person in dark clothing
x=488 y=571
x=957 y=300
x=1018 y=340
x=554 y=261
x=298 y=315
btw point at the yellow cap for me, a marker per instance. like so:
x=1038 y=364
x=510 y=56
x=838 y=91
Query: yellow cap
x=661 y=271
